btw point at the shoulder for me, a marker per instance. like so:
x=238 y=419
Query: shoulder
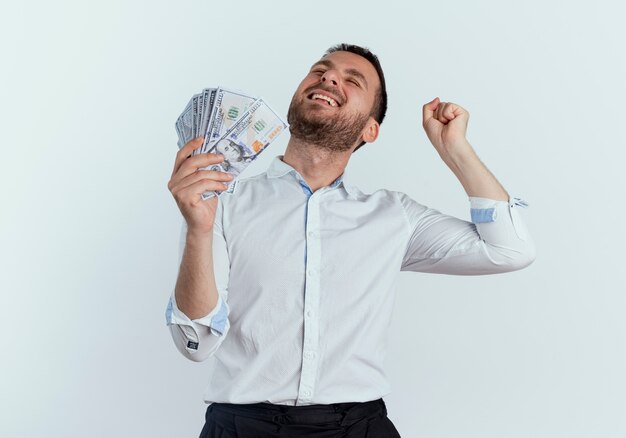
x=382 y=194
x=412 y=208
x=396 y=202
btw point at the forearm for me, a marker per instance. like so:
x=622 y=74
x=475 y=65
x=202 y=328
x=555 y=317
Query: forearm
x=196 y=291
x=473 y=175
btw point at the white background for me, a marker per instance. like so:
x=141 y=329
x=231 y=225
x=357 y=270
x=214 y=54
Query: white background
x=89 y=231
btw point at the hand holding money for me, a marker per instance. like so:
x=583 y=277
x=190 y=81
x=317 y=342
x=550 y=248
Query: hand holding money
x=189 y=181
x=231 y=123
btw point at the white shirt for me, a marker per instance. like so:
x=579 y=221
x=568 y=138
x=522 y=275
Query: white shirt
x=306 y=283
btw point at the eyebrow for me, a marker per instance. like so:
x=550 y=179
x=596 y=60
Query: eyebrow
x=351 y=71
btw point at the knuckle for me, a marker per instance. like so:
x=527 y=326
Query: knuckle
x=217 y=175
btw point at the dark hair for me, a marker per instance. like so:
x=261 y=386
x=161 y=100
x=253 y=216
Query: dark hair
x=379 y=110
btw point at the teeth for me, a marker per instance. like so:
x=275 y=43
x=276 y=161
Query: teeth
x=326 y=98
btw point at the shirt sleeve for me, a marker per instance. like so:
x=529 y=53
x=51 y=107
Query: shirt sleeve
x=495 y=241
x=198 y=339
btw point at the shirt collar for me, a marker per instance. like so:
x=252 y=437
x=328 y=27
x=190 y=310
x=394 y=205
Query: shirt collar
x=279 y=168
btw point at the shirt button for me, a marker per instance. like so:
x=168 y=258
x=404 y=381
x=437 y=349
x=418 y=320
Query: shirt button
x=306 y=393
x=309 y=355
x=309 y=313
x=311 y=234
x=312 y=272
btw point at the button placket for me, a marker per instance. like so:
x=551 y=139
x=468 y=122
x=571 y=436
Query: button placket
x=311 y=300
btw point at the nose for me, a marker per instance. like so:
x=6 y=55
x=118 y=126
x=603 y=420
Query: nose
x=330 y=77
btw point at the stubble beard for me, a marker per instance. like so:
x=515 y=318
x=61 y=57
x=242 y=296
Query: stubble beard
x=336 y=133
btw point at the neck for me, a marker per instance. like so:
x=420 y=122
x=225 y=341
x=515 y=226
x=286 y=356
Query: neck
x=319 y=167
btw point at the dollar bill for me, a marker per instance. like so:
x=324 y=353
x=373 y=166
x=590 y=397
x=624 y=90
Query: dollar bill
x=209 y=96
x=228 y=107
x=199 y=115
x=194 y=115
x=208 y=99
x=184 y=126
x=245 y=140
x=200 y=103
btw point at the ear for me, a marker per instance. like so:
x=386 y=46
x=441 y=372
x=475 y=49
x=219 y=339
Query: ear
x=370 y=132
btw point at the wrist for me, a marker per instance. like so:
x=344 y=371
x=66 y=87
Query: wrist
x=195 y=234
x=458 y=152
x=459 y=159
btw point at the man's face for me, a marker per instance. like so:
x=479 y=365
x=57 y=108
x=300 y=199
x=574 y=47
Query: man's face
x=332 y=105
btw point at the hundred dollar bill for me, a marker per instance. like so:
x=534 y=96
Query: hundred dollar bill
x=228 y=106
x=194 y=115
x=204 y=108
x=199 y=115
x=184 y=126
x=245 y=140
x=208 y=97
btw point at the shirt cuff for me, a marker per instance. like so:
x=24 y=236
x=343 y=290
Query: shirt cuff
x=485 y=210
x=215 y=320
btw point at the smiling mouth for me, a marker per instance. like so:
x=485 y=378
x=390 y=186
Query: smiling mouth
x=329 y=100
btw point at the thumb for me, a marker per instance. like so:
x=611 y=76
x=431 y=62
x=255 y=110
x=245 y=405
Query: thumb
x=429 y=109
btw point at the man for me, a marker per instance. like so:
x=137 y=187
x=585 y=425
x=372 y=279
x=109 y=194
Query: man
x=287 y=282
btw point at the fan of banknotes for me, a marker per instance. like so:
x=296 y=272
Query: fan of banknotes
x=233 y=124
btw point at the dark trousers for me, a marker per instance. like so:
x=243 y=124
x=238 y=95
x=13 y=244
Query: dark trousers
x=265 y=420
